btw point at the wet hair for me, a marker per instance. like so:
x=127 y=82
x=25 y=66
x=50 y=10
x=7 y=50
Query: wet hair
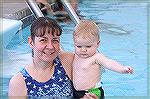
x=87 y=29
x=40 y=25
x=57 y=6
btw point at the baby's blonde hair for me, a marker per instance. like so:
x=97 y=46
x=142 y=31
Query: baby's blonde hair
x=87 y=30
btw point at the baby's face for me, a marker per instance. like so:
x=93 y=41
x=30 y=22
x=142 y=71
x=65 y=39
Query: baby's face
x=85 y=48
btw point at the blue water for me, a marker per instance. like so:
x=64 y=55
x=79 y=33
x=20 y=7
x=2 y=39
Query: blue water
x=123 y=33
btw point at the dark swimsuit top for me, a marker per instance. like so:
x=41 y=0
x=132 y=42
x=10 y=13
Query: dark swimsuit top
x=59 y=85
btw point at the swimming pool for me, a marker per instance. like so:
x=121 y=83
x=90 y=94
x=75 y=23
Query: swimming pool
x=123 y=31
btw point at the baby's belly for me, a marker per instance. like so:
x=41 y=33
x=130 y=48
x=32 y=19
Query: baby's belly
x=84 y=82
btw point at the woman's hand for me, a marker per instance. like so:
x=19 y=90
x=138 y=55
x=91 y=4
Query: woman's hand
x=89 y=96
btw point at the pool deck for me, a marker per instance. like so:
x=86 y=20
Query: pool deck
x=17 y=10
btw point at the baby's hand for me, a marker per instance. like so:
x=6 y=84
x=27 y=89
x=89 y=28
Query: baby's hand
x=128 y=69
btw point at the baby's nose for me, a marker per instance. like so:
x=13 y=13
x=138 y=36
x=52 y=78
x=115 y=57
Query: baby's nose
x=83 y=49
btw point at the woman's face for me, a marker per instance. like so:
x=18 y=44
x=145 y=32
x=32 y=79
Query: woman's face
x=46 y=48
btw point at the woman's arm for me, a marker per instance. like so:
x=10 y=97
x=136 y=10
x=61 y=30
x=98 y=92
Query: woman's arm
x=67 y=61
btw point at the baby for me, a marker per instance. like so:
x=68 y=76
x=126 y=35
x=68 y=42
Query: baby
x=87 y=65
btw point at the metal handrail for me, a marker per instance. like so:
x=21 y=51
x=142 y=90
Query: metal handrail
x=74 y=17
x=37 y=12
x=34 y=8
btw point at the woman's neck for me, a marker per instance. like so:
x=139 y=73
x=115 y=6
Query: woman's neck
x=40 y=71
x=42 y=64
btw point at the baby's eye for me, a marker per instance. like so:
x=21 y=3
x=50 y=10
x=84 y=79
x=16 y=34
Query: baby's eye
x=88 y=46
x=79 y=46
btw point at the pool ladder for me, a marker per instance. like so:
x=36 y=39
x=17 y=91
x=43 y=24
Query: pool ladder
x=37 y=12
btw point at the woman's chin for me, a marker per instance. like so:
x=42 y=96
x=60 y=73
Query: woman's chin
x=49 y=57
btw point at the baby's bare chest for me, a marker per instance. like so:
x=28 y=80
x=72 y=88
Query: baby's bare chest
x=85 y=65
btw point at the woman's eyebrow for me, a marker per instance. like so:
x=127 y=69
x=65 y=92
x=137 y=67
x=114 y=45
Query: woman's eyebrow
x=42 y=37
x=55 y=38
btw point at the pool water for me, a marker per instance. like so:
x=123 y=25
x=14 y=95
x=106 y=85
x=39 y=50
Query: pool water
x=123 y=33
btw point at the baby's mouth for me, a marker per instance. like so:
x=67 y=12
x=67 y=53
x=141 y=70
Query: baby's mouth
x=83 y=54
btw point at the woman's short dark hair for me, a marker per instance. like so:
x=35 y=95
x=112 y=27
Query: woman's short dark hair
x=40 y=25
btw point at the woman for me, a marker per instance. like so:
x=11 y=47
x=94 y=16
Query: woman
x=56 y=8
x=59 y=7
x=50 y=72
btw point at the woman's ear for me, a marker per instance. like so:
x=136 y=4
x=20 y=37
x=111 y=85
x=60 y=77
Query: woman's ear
x=30 y=42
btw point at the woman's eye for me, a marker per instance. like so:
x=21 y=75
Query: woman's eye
x=43 y=40
x=55 y=41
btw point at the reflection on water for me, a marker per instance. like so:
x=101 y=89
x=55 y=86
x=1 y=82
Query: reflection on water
x=112 y=29
x=123 y=31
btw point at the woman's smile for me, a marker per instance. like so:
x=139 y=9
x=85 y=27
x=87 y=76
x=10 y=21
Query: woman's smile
x=48 y=52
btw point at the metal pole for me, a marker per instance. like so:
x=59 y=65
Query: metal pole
x=34 y=8
x=74 y=17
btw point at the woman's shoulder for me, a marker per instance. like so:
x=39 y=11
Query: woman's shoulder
x=16 y=79
x=17 y=85
x=67 y=58
x=67 y=55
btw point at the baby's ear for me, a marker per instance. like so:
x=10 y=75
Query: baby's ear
x=30 y=42
x=98 y=43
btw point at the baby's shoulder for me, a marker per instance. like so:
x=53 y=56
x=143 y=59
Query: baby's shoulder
x=98 y=55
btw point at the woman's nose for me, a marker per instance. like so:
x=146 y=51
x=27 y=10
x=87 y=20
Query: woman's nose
x=50 y=45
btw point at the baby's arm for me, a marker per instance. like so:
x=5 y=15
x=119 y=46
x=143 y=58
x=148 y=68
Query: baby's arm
x=112 y=64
